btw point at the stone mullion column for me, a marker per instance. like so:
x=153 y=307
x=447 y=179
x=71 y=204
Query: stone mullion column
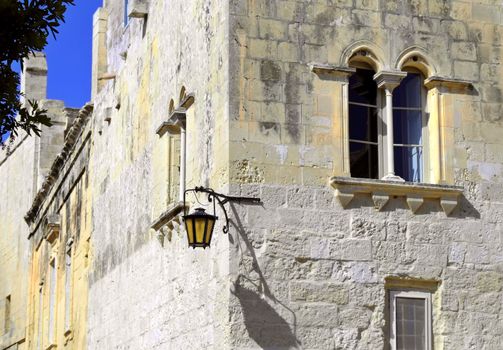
x=388 y=81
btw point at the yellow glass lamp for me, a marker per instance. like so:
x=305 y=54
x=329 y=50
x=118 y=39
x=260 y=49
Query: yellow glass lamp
x=199 y=226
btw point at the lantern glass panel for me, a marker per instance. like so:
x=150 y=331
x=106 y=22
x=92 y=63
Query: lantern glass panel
x=189 y=225
x=209 y=230
x=200 y=228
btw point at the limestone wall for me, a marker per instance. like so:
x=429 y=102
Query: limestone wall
x=309 y=273
x=143 y=294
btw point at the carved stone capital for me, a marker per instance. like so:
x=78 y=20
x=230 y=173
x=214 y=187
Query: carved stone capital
x=389 y=80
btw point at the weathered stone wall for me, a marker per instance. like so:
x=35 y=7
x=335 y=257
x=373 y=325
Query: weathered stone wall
x=16 y=181
x=310 y=274
x=143 y=294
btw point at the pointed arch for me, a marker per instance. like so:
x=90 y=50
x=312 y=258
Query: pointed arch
x=363 y=52
x=183 y=95
x=418 y=58
x=171 y=106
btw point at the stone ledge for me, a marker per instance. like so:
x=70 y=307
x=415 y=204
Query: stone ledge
x=381 y=191
x=168 y=216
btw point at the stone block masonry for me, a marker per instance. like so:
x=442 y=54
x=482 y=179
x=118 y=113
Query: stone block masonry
x=263 y=86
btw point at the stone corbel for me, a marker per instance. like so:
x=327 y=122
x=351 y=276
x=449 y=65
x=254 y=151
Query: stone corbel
x=380 y=199
x=381 y=192
x=414 y=202
x=449 y=203
x=52 y=227
x=344 y=197
x=168 y=221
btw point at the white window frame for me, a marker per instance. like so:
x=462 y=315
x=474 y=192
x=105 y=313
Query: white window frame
x=412 y=294
x=424 y=129
x=382 y=138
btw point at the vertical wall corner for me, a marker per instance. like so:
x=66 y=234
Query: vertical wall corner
x=99 y=64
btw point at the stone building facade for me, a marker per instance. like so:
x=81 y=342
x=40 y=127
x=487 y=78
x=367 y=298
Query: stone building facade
x=319 y=108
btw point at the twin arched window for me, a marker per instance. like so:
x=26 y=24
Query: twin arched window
x=367 y=130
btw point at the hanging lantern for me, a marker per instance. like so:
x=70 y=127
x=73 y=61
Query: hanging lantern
x=199 y=226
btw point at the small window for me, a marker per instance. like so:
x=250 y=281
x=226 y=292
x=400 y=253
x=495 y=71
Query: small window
x=40 y=316
x=410 y=316
x=68 y=289
x=7 y=315
x=52 y=301
x=126 y=18
x=363 y=134
x=408 y=121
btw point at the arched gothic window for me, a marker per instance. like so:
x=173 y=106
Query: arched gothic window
x=368 y=130
x=363 y=125
x=408 y=125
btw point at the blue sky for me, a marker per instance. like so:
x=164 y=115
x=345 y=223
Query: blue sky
x=69 y=55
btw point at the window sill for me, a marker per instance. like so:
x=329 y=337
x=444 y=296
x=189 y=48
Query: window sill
x=167 y=221
x=167 y=217
x=381 y=192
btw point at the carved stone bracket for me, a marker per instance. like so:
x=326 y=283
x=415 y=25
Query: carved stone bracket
x=52 y=227
x=168 y=221
x=382 y=191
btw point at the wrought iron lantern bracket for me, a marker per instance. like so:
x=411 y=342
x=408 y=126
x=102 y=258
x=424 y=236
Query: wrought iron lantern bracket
x=221 y=199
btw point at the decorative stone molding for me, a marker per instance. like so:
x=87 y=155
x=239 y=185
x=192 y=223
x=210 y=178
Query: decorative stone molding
x=168 y=221
x=70 y=140
x=389 y=80
x=170 y=214
x=330 y=71
x=448 y=84
x=53 y=226
x=381 y=191
x=137 y=8
x=177 y=117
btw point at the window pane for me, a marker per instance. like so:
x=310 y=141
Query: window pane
x=410 y=324
x=362 y=123
x=363 y=160
x=408 y=93
x=408 y=163
x=362 y=87
x=407 y=127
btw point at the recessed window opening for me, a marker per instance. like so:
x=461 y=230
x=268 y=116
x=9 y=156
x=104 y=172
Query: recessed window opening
x=363 y=123
x=52 y=300
x=68 y=288
x=408 y=125
x=410 y=320
x=126 y=18
x=7 y=315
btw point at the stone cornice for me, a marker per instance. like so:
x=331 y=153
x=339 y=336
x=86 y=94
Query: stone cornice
x=70 y=141
x=381 y=191
x=327 y=70
x=448 y=83
x=167 y=216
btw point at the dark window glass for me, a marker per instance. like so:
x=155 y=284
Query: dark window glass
x=410 y=324
x=363 y=159
x=363 y=125
x=126 y=18
x=362 y=87
x=408 y=128
x=408 y=94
